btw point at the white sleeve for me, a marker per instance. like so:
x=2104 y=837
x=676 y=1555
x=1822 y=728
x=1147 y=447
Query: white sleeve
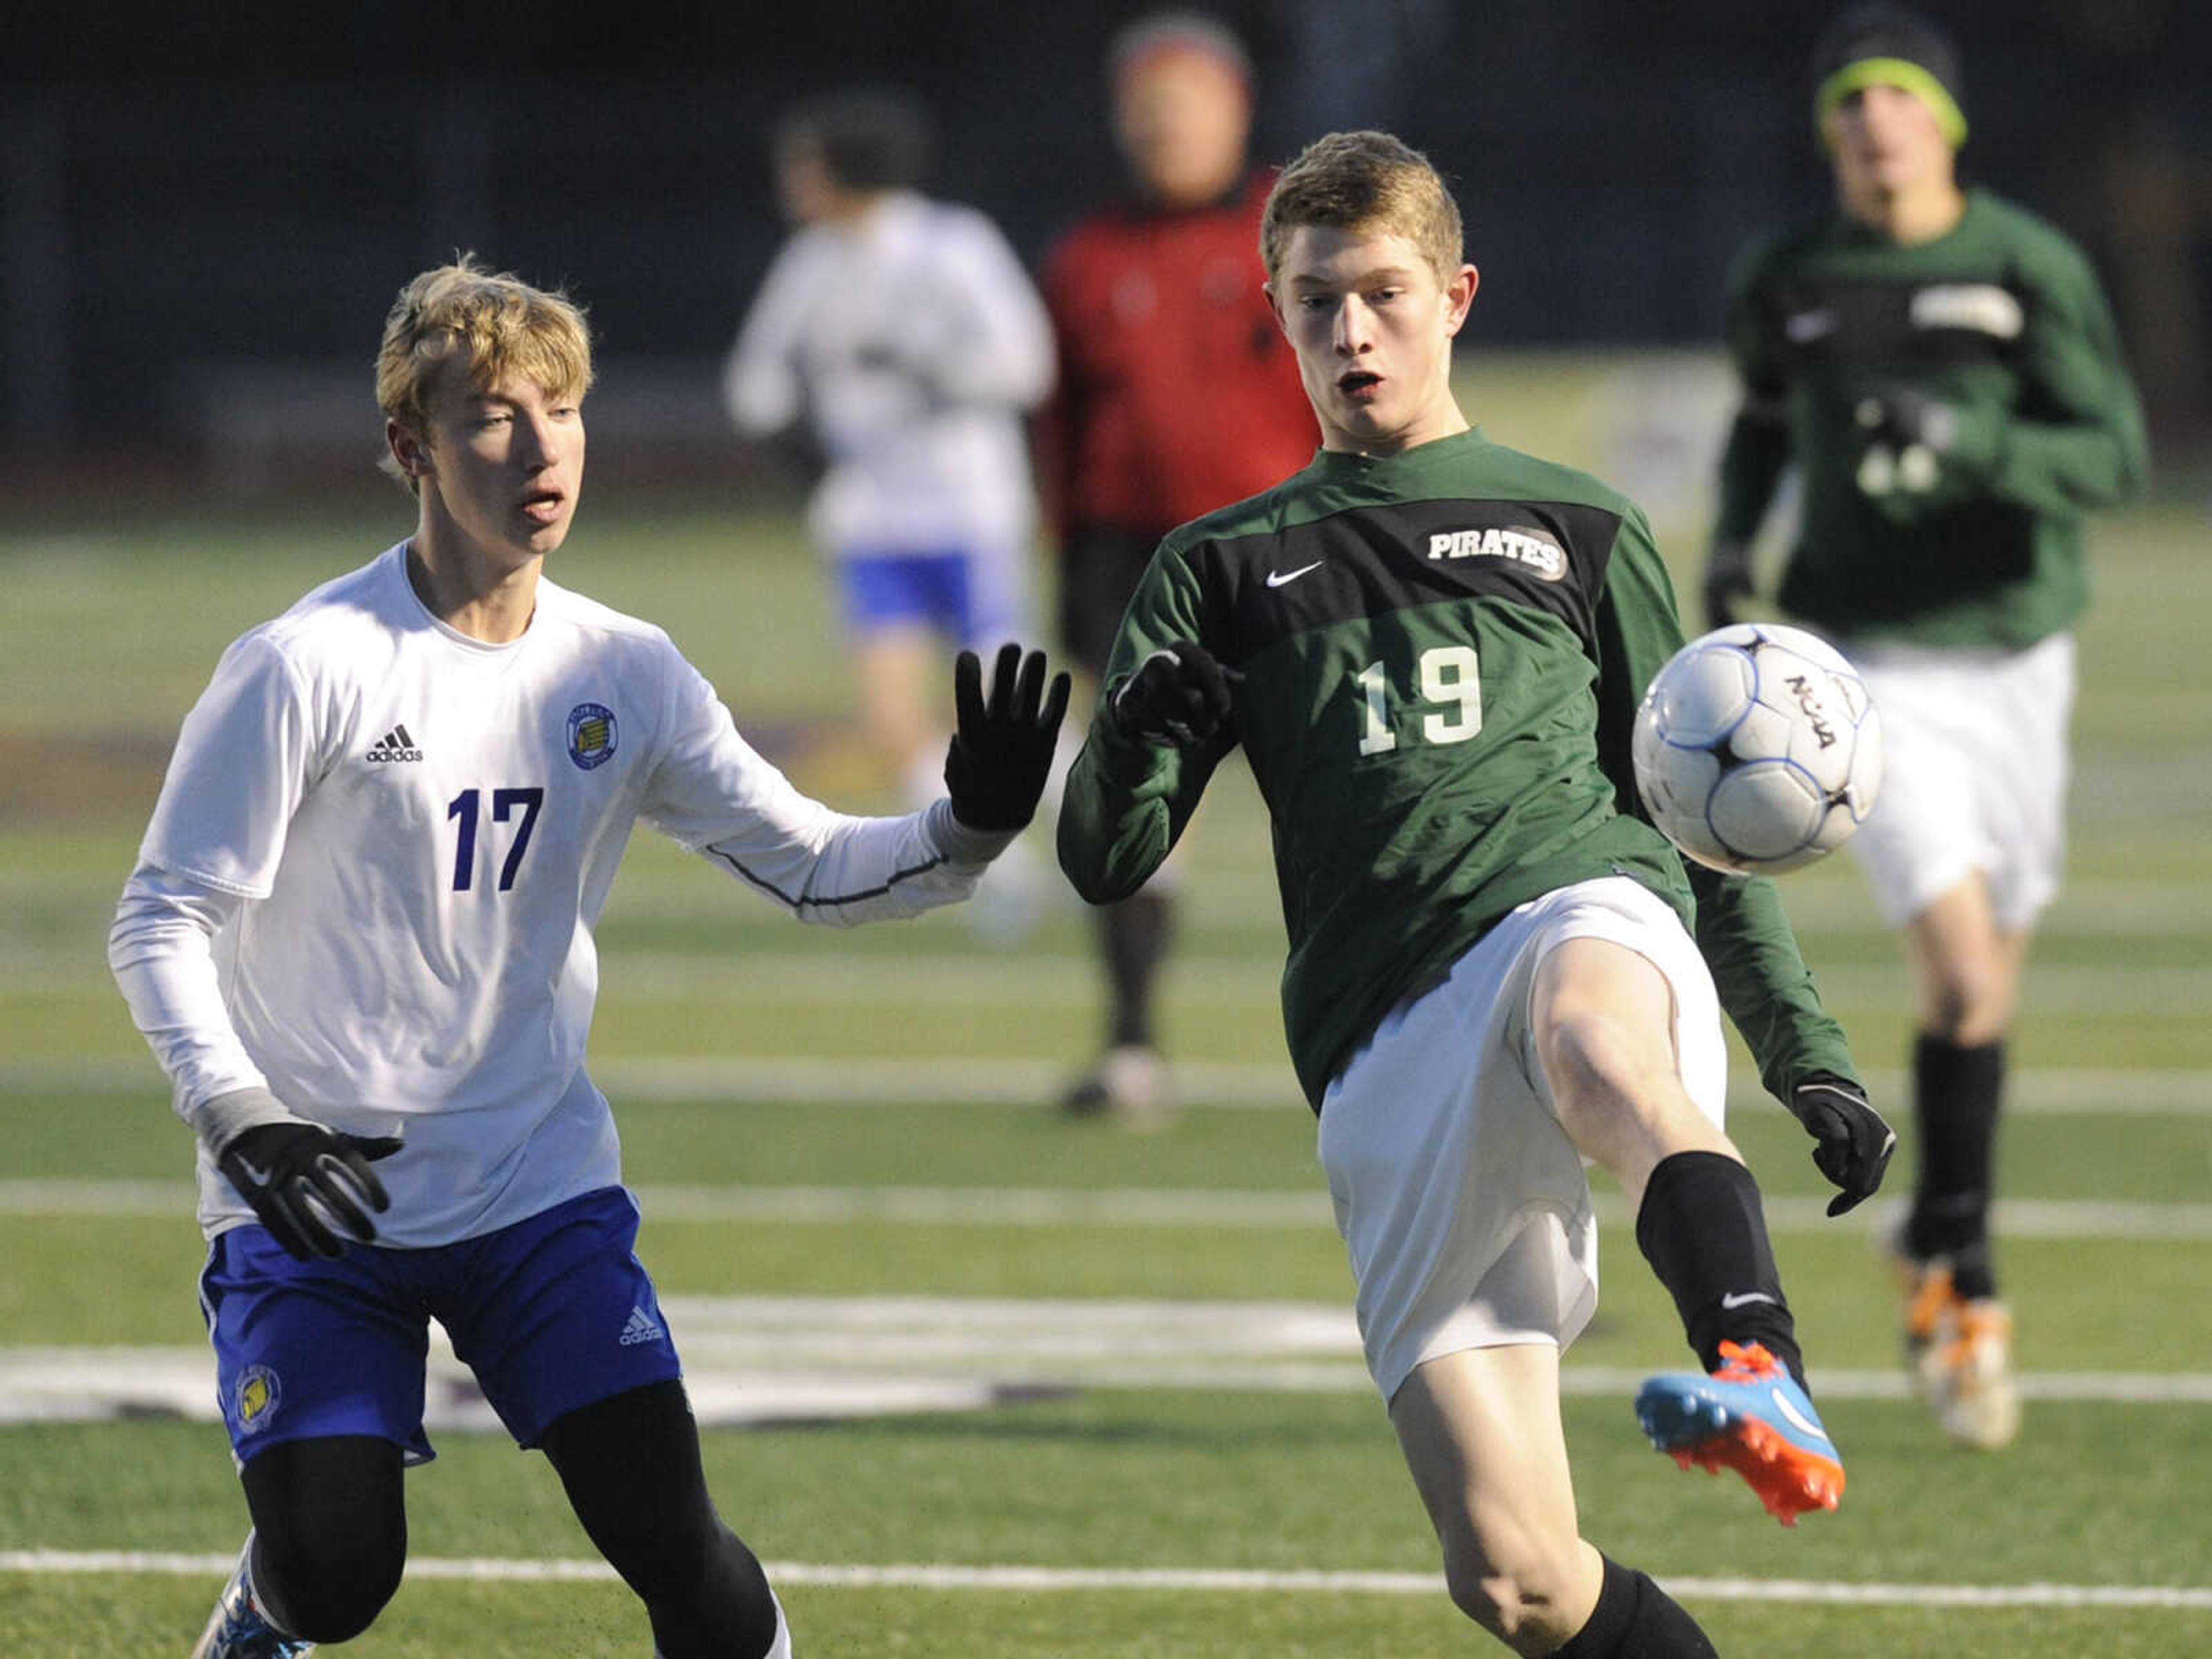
x=161 y=951
x=242 y=763
x=760 y=380
x=712 y=794
x=996 y=346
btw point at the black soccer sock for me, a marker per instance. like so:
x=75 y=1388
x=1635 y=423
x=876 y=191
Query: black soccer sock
x=1702 y=1228
x=1136 y=930
x=1634 y=1618
x=1955 y=1093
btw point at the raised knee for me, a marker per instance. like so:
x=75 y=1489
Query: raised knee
x=1617 y=1094
x=1591 y=1058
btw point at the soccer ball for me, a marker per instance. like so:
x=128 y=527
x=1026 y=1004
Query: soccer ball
x=1756 y=749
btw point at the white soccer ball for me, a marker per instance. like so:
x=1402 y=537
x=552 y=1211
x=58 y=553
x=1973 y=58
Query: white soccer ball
x=1756 y=749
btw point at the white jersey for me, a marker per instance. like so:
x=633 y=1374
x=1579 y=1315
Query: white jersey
x=911 y=341
x=370 y=883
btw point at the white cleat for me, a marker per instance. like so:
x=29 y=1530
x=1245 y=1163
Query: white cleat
x=1960 y=1353
x=1967 y=1376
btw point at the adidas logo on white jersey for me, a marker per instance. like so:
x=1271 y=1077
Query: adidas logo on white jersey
x=394 y=745
x=642 y=1328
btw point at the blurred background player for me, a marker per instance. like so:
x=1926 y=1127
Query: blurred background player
x=904 y=336
x=1490 y=978
x=1941 y=367
x=359 y=940
x=1176 y=395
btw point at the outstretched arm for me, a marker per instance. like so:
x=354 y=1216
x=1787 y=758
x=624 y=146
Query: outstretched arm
x=711 y=793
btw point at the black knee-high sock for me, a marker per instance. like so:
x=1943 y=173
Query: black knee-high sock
x=1634 y=1618
x=1702 y=1229
x=1955 y=1091
x=1136 y=930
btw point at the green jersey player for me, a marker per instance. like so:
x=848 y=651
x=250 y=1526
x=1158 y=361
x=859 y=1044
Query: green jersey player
x=1940 y=367
x=1431 y=648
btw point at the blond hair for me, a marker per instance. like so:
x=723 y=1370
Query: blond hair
x=493 y=324
x=1362 y=181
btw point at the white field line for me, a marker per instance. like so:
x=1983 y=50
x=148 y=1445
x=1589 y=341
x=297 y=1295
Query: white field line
x=936 y=1577
x=1230 y=1209
x=752 y=1359
x=935 y=979
x=825 y=1080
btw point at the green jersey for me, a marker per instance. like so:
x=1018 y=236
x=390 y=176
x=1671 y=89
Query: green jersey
x=2002 y=320
x=1443 y=651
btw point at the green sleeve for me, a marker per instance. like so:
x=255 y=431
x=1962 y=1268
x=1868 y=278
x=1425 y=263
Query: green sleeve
x=1763 y=982
x=1638 y=630
x=1741 y=931
x=1126 y=801
x=2075 y=440
x=1758 y=446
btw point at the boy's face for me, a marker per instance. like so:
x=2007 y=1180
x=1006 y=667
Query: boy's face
x=803 y=185
x=1884 y=142
x=503 y=462
x=1372 y=326
x=1181 y=118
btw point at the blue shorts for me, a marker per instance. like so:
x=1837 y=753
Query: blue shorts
x=552 y=1313
x=973 y=598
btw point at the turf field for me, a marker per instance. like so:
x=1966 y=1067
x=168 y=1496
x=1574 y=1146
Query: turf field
x=987 y=1384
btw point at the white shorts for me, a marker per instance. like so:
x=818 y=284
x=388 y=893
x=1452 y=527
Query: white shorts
x=1462 y=1204
x=1974 y=775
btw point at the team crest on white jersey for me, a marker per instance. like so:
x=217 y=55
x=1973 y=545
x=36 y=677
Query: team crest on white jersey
x=591 y=735
x=1523 y=545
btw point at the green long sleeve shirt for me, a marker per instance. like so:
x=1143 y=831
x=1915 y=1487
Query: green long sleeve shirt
x=1443 y=653
x=2002 y=320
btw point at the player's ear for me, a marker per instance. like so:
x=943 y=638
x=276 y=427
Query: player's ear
x=410 y=451
x=1275 y=305
x=1459 y=294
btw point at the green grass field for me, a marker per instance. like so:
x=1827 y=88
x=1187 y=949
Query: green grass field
x=831 y=1129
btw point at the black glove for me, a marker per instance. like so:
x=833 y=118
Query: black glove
x=1855 y=1142
x=999 y=756
x=1728 y=581
x=1179 y=697
x=1904 y=416
x=302 y=1179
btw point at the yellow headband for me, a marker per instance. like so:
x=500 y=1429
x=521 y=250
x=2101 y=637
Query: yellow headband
x=1890 y=72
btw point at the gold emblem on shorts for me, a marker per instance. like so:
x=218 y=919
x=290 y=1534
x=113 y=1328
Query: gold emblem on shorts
x=254 y=1398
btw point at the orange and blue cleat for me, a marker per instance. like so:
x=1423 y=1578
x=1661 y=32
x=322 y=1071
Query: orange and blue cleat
x=1751 y=1416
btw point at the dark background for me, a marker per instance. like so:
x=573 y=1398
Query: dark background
x=205 y=210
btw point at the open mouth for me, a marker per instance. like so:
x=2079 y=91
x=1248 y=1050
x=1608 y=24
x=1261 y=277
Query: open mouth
x=542 y=505
x=1359 y=384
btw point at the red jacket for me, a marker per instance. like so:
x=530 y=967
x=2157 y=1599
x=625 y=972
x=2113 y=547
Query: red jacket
x=1178 y=392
